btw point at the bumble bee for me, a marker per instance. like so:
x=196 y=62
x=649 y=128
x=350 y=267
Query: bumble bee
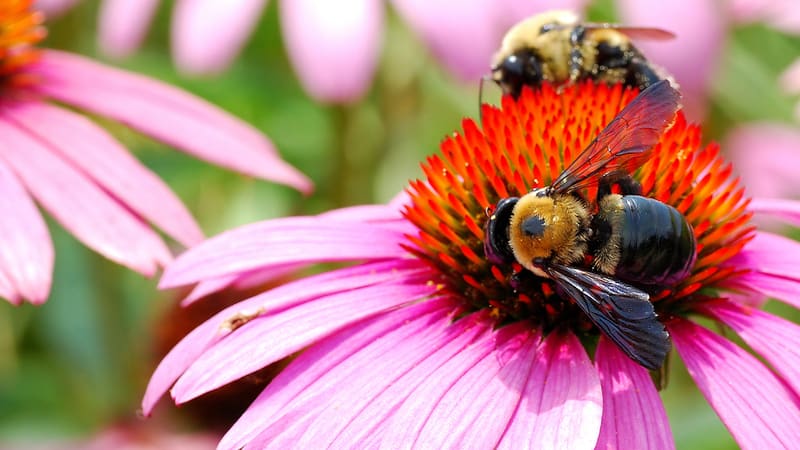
x=630 y=239
x=555 y=47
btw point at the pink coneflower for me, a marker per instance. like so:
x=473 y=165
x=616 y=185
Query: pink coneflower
x=425 y=343
x=85 y=178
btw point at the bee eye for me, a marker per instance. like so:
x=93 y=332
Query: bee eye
x=533 y=226
x=522 y=67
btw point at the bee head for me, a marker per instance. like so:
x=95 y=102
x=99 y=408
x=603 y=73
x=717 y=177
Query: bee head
x=517 y=70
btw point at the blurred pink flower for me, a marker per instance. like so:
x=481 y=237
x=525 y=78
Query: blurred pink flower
x=333 y=46
x=427 y=344
x=81 y=175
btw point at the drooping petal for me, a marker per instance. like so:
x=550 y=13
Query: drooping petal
x=772 y=263
x=165 y=113
x=272 y=336
x=790 y=79
x=345 y=361
x=561 y=406
x=465 y=42
x=122 y=25
x=759 y=411
x=201 y=338
x=54 y=8
x=101 y=157
x=82 y=207
x=693 y=55
x=240 y=281
x=285 y=241
x=208 y=34
x=26 y=253
x=784 y=209
x=766 y=177
x=633 y=414
x=781 y=14
x=774 y=338
x=333 y=46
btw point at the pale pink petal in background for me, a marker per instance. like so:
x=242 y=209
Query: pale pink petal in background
x=54 y=8
x=788 y=211
x=561 y=406
x=781 y=14
x=462 y=38
x=208 y=34
x=766 y=157
x=26 y=254
x=790 y=79
x=509 y=12
x=333 y=45
x=758 y=409
x=694 y=55
x=123 y=24
x=166 y=113
x=83 y=208
x=630 y=402
x=102 y=158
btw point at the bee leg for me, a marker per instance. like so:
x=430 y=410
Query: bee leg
x=576 y=56
x=629 y=186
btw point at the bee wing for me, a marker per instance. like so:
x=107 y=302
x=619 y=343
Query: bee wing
x=646 y=33
x=625 y=142
x=620 y=311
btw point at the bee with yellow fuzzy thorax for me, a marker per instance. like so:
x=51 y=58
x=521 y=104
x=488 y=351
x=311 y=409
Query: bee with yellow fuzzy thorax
x=556 y=47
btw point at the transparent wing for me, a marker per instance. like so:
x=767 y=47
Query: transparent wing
x=620 y=311
x=625 y=143
x=645 y=33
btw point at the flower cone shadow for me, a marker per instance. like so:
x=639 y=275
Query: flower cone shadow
x=423 y=342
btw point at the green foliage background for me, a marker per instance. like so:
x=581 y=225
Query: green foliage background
x=77 y=364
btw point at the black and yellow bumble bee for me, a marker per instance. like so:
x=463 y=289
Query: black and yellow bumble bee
x=556 y=47
x=631 y=240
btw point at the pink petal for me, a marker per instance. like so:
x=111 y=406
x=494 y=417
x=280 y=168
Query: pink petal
x=342 y=363
x=165 y=113
x=275 y=335
x=54 y=8
x=510 y=12
x=464 y=42
x=693 y=56
x=790 y=79
x=561 y=406
x=765 y=156
x=772 y=263
x=633 y=415
x=286 y=241
x=26 y=254
x=103 y=159
x=245 y=280
x=82 y=207
x=781 y=14
x=756 y=407
x=123 y=24
x=333 y=46
x=774 y=338
x=285 y=296
x=207 y=34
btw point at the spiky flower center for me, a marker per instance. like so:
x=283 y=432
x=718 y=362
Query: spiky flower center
x=526 y=144
x=20 y=30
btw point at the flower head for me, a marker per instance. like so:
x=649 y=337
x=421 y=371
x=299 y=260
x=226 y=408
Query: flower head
x=85 y=178
x=427 y=342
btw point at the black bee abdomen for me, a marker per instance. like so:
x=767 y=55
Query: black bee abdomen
x=657 y=245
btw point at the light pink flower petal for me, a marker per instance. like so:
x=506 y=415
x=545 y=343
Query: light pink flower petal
x=285 y=241
x=765 y=156
x=92 y=150
x=790 y=79
x=122 y=25
x=350 y=359
x=333 y=46
x=274 y=335
x=315 y=418
x=208 y=34
x=781 y=14
x=165 y=113
x=787 y=211
x=759 y=411
x=509 y=12
x=633 y=415
x=561 y=406
x=245 y=280
x=693 y=56
x=54 y=8
x=772 y=263
x=211 y=331
x=82 y=207
x=26 y=253
x=774 y=338
x=463 y=38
